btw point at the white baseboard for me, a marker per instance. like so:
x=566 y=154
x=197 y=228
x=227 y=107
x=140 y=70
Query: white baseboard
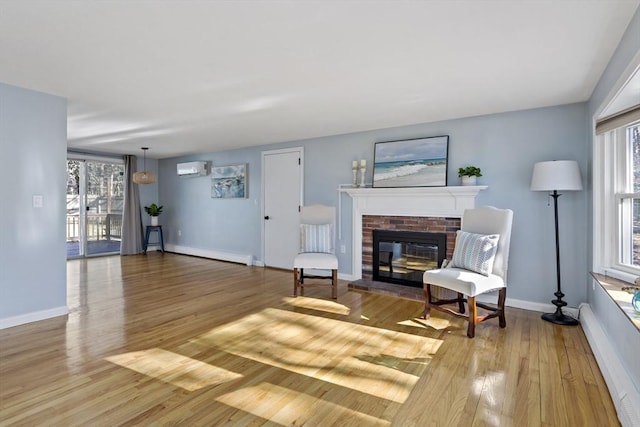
x=249 y=260
x=527 y=305
x=213 y=254
x=34 y=316
x=347 y=277
x=492 y=298
x=623 y=393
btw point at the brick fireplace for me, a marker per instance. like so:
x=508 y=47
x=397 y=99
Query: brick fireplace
x=448 y=226
x=424 y=208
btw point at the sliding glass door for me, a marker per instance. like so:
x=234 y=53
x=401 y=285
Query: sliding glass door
x=95 y=194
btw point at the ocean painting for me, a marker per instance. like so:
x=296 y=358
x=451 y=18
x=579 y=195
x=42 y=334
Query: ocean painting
x=411 y=163
x=229 y=181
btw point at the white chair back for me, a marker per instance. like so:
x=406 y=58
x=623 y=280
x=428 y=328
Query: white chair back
x=491 y=220
x=318 y=214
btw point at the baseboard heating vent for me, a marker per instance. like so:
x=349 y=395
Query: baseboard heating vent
x=629 y=414
x=624 y=394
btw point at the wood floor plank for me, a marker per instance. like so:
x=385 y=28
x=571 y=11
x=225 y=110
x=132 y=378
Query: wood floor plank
x=177 y=340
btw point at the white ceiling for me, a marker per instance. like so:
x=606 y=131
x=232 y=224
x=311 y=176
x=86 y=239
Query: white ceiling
x=200 y=76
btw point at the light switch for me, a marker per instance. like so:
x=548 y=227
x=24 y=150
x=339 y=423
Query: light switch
x=38 y=201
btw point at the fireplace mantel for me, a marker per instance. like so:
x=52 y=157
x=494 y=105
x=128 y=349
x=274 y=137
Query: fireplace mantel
x=414 y=201
x=450 y=201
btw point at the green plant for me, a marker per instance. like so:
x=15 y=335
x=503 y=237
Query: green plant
x=469 y=171
x=153 y=209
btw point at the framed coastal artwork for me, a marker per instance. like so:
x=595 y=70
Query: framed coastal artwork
x=229 y=181
x=420 y=162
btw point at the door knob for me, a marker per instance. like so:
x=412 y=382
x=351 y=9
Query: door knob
x=266 y=217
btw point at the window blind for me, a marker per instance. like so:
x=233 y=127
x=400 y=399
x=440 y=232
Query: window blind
x=618 y=120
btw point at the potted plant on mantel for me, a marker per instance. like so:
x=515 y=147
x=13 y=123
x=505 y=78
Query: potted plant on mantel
x=469 y=175
x=154 y=211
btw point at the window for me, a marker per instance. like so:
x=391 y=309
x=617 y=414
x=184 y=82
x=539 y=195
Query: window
x=628 y=198
x=617 y=202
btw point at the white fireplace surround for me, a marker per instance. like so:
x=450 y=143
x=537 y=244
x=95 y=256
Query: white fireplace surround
x=442 y=202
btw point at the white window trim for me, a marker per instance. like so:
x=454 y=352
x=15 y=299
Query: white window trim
x=608 y=149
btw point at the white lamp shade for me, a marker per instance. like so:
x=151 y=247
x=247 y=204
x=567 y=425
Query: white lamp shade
x=561 y=175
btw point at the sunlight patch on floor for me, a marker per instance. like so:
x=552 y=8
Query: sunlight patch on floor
x=318 y=304
x=430 y=323
x=289 y=407
x=172 y=368
x=375 y=361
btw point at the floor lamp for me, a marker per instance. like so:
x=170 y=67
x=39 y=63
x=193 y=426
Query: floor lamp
x=554 y=176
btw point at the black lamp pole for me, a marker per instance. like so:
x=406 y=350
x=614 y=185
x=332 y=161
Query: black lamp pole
x=558 y=317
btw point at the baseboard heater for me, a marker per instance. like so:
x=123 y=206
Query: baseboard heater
x=212 y=254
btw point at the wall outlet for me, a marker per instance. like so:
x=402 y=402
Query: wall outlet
x=38 y=201
x=343 y=249
x=179 y=233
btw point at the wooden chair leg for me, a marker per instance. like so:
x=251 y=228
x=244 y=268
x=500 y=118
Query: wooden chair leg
x=473 y=314
x=295 y=282
x=334 y=284
x=502 y=296
x=301 y=281
x=460 y=303
x=427 y=300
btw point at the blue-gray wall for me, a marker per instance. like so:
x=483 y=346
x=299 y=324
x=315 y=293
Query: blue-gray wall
x=505 y=146
x=33 y=142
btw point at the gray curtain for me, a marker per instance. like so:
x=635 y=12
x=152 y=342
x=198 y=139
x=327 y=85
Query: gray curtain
x=131 y=216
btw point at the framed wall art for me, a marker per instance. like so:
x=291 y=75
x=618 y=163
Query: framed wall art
x=229 y=181
x=420 y=162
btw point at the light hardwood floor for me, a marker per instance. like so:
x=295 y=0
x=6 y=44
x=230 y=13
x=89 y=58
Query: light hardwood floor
x=176 y=340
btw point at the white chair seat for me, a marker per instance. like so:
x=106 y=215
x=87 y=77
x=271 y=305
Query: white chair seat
x=464 y=281
x=316 y=260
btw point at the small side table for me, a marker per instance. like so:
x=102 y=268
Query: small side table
x=158 y=229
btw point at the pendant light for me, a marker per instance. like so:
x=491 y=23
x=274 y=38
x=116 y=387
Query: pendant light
x=145 y=176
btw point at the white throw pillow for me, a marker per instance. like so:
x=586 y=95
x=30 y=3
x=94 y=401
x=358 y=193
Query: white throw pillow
x=316 y=238
x=475 y=252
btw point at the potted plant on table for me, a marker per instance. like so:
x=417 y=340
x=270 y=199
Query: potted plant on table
x=154 y=211
x=469 y=175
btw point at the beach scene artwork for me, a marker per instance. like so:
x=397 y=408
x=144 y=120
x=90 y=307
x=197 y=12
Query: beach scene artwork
x=228 y=181
x=411 y=163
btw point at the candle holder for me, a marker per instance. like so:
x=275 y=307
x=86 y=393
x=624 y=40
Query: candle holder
x=354 y=172
x=362 y=172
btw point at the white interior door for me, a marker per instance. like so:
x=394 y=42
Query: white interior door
x=282 y=180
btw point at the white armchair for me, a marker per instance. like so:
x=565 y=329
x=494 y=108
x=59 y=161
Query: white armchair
x=479 y=265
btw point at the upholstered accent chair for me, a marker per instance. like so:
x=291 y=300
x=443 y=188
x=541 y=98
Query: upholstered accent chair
x=317 y=249
x=479 y=264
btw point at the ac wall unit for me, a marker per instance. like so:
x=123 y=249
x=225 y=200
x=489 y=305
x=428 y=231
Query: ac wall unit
x=192 y=169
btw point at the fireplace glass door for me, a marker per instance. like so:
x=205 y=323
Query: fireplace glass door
x=403 y=256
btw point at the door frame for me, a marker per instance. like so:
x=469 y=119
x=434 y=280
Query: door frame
x=300 y=151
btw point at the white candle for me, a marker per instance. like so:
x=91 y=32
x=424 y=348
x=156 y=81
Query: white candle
x=363 y=163
x=354 y=164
